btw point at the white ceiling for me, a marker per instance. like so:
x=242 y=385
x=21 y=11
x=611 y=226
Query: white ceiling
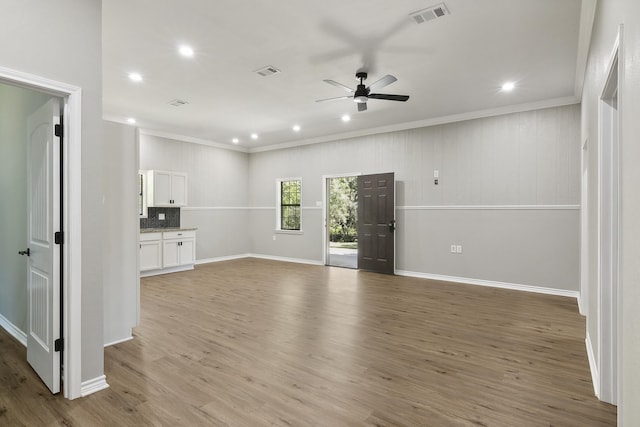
x=449 y=66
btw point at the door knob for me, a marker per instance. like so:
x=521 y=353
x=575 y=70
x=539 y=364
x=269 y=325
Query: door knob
x=392 y=225
x=27 y=252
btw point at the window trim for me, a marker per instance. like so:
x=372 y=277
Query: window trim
x=278 y=228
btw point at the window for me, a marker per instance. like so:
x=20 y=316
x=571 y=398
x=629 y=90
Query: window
x=289 y=191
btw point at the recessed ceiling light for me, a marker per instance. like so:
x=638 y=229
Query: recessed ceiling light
x=254 y=136
x=346 y=118
x=296 y=128
x=131 y=121
x=186 y=51
x=136 y=77
x=508 y=86
x=235 y=140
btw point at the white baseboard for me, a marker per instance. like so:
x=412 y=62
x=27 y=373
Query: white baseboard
x=119 y=341
x=93 y=386
x=260 y=256
x=166 y=270
x=480 y=282
x=13 y=330
x=222 y=258
x=285 y=259
x=593 y=366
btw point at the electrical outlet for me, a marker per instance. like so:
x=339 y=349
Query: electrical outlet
x=453 y=249
x=161 y=216
x=459 y=249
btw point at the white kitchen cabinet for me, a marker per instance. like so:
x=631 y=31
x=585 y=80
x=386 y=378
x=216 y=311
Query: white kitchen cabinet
x=166 y=189
x=167 y=252
x=178 y=248
x=150 y=251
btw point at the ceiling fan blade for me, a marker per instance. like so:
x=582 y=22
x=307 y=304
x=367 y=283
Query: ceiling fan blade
x=389 y=97
x=362 y=106
x=334 y=99
x=340 y=85
x=385 y=81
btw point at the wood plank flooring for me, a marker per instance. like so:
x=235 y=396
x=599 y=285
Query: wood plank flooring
x=256 y=343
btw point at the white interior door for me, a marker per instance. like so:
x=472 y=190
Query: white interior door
x=43 y=175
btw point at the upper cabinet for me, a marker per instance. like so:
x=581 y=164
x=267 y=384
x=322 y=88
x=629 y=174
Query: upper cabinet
x=166 y=189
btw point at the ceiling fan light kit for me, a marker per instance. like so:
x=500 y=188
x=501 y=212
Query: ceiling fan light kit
x=362 y=93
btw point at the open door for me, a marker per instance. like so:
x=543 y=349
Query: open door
x=376 y=222
x=43 y=207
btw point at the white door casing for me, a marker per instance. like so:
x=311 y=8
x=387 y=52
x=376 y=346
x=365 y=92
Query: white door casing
x=43 y=207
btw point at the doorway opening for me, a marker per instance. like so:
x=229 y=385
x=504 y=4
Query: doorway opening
x=342 y=221
x=57 y=305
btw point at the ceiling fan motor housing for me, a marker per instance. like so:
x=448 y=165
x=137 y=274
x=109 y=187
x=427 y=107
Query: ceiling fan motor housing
x=361 y=94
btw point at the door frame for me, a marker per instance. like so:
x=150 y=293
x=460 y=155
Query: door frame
x=325 y=211
x=609 y=254
x=71 y=201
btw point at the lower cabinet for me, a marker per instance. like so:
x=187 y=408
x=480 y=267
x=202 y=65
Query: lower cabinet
x=178 y=248
x=166 y=252
x=150 y=251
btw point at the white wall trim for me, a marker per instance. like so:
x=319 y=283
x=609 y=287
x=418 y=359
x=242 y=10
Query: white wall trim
x=222 y=258
x=549 y=103
x=218 y=208
x=184 y=138
x=489 y=207
x=286 y=259
x=593 y=365
x=241 y=208
x=490 y=283
x=119 y=341
x=587 y=16
x=168 y=270
x=72 y=204
x=93 y=385
x=13 y=330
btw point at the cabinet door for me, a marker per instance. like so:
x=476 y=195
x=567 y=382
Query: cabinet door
x=150 y=255
x=187 y=252
x=179 y=189
x=161 y=188
x=170 y=254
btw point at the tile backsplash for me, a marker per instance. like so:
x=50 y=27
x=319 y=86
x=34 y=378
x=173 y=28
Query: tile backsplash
x=171 y=218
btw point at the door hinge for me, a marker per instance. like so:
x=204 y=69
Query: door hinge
x=58 y=237
x=57 y=131
x=58 y=345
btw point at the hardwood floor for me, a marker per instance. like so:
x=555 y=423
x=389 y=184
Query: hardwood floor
x=254 y=342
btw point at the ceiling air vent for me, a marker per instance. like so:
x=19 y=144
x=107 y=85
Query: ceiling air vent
x=430 y=13
x=267 y=71
x=178 y=102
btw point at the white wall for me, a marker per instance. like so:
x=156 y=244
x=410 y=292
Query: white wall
x=508 y=192
x=217 y=192
x=15 y=106
x=62 y=41
x=609 y=15
x=120 y=253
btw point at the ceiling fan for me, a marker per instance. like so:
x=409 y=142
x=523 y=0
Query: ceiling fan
x=362 y=94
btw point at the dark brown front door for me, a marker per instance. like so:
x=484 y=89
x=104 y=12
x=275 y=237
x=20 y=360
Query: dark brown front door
x=376 y=223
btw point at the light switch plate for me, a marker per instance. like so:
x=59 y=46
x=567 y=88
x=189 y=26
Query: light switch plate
x=459 y=249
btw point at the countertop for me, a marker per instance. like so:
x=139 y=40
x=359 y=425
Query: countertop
x=159 y=230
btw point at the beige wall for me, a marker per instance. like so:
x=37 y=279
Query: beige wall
x=508 y=192
x=609 y=15
x=62 y=41
x=217 y=192
x=120 y=249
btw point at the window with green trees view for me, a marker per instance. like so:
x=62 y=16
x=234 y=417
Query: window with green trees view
x=290 y=204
